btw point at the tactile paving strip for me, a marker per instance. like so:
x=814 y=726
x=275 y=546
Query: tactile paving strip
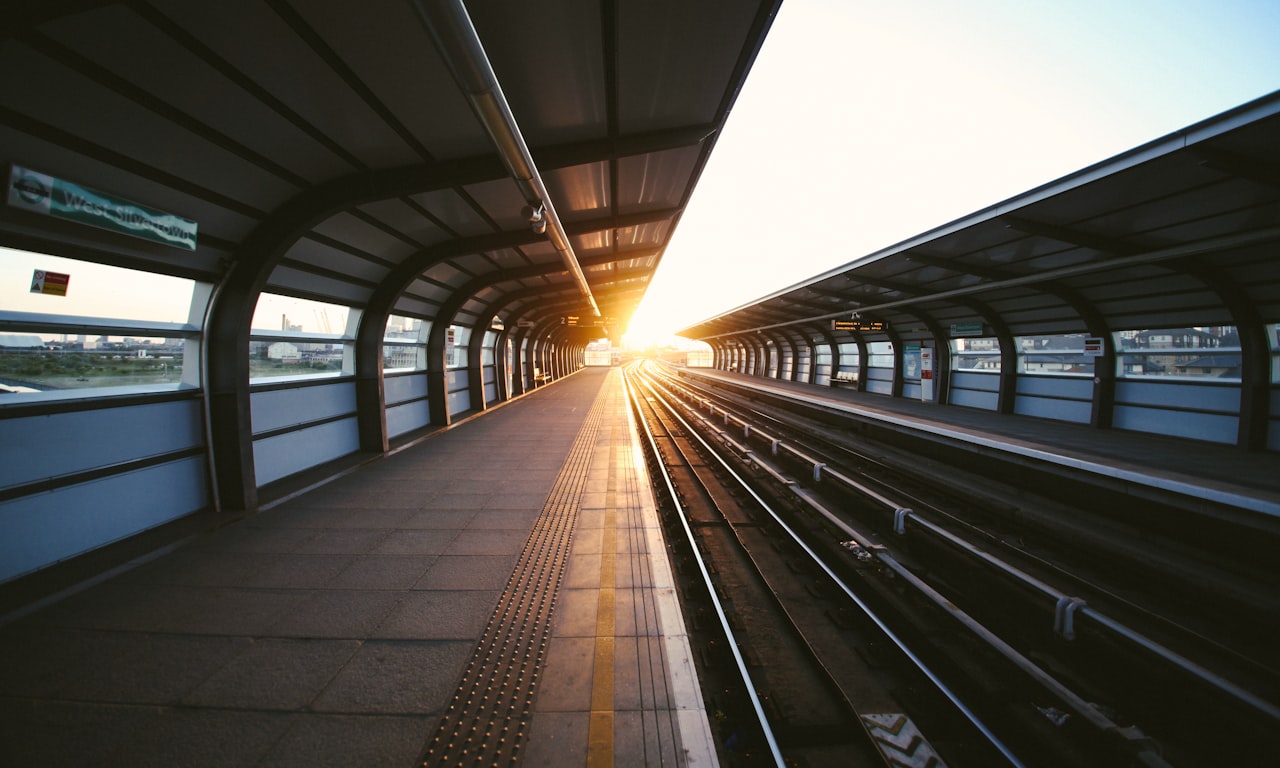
x=486 y=722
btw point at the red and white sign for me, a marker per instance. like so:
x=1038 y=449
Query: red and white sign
x=50 y=283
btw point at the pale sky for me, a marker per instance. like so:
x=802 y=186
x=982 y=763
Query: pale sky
x=863 y=124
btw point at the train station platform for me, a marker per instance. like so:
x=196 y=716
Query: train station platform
x=1209 y=472
x=497 y=590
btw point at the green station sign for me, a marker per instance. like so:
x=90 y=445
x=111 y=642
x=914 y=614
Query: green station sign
x=44 y=194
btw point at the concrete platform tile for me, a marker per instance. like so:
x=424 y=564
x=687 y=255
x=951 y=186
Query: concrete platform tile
x=530 y=500
x=645 y=739
x=361 y=513
x=127 y=606
x=340 y=741
x=442 y=518
x=583 y=572
x=344 y=541
x=296 y=571
x=242 y=537
x=397 y=678
x=635 y=613
x=106 y=666
x=521 y=518
x=237 y=611
x=195 y=567
x=565 y=681
x=633 y=572
x=335 y=613
x=461 y=572
x=438 y=615
x=434 y=500
x=486 y=542
x=274 y=674
x=414 y=541
x=575 y=613
x=376 y=572
x=197 y=738
x=556 y=738
x=595 y=499
x=63 y=734
x=640 y=675
x=587 y=541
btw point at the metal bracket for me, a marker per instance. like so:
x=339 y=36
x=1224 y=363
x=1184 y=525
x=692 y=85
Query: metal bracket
x=1064 y=616
x=900 y=520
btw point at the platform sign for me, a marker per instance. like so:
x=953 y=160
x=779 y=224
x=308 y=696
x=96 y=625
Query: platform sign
x=1093 y=347
x=959 y=330
x=50 y=283
x=857 y=325
x=44 y=194
x=926 y=374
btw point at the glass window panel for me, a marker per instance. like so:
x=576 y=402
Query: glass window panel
x=1054 y=355
x=47 y=362
x=1273 y=334
x=274 y=359
x=880 y=354
x=97 y=290
x=1203 y=353
x=976 y=354
x=404 y=345
x=286 y=313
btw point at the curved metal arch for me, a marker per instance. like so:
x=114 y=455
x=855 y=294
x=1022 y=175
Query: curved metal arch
x=828 y=337
x=230 y=314
x=1255 y=351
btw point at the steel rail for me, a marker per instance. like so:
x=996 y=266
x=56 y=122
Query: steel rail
x=1065 y=603
x=711 y=592
x=866 y=609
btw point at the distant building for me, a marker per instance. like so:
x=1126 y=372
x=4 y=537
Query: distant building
x=284 y=352
x=20 y=341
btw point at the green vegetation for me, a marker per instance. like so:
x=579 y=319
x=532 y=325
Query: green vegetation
x=71 y=369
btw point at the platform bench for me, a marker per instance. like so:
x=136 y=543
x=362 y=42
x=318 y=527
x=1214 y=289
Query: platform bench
x=844 y=378
x=539 y=377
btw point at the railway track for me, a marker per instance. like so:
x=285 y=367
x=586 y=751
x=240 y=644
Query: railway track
x=886 y=630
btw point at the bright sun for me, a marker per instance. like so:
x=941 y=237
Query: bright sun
x=647 y=329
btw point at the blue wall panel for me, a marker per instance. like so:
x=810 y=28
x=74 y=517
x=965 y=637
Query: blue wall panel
x=459 y=401
x=398 y=389
x=1179 y=394
x=279 y=408
x=1076 y=411
x=1199 y=426
x=880 y=387
x=986 y=382
x=283 y=455
x=37 y=447
x=407 y=417
x=42 y=529
x=971 y=398
x=1050 y=386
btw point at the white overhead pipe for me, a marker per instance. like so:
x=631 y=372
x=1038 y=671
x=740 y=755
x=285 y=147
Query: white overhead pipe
x=450 y=27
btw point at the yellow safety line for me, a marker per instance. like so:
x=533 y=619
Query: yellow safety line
x=600 y=728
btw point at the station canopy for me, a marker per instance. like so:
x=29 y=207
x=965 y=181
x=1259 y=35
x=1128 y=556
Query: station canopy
x=528 y=162
x=1183 y=231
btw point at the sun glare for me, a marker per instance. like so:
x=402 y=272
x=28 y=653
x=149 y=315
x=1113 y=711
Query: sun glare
x=648 y=329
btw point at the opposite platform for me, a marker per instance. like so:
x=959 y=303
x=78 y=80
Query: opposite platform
x=515 y=556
